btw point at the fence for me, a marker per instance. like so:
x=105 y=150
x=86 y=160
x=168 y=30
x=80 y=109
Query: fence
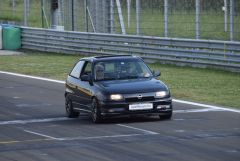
x=201 y=19
x=200 y=53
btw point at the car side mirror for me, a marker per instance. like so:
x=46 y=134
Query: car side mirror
x=86 y=78
x=157 y=73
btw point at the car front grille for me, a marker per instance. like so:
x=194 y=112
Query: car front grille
x=143 y=99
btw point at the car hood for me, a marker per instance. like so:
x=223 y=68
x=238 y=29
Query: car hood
x=132 y=86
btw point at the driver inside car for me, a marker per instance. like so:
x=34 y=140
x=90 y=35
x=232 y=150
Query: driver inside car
x=99 y=72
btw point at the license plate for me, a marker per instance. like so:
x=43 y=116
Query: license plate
x=143 y=106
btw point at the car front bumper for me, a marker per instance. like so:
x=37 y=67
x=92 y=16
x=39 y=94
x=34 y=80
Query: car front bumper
x=117 y=108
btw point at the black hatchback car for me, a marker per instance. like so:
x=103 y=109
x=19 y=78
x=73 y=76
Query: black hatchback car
x=107 y=86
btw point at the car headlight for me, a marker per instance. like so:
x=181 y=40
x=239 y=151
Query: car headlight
x=161 y=94
x=116 y=97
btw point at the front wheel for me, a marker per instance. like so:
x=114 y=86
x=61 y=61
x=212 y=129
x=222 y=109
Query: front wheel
x=69 y=109
x=96 y=113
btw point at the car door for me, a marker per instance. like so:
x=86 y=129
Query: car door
x=84 y=89
x=72 y=81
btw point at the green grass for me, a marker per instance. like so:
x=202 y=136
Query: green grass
x=202 y=85
x=49 y=65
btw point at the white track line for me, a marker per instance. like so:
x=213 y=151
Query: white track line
x=145 y=131
x=43 y=135
x=13 y=122
x=100 y=137
x=208 y=106
x=197 y=110
x=32 y=77
x=174 y=100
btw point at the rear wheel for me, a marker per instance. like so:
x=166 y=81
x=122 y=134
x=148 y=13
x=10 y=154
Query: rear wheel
x=69 y=109
x=96 y=113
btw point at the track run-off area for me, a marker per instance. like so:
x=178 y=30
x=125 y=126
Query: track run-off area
x=33 y=127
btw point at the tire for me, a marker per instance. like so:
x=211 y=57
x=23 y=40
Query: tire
x=96 y=113
x=166 y=117
x=69 y=109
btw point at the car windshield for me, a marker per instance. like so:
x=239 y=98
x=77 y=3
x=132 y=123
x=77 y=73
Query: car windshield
x=120 y=70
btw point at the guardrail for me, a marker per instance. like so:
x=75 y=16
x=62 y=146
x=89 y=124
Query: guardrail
x=200 y=53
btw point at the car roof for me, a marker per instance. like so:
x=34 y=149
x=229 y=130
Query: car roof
x=109 y=57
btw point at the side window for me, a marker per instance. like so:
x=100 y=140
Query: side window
x=109 y=67
x=87 y=69
x=77 y=69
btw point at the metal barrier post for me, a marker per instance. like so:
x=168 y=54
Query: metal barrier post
x=26 y=10
x=120 y=16
x=111 y=16
x=225 y=15
x=129 y=12
x=42 y=14
x=72 y=14
x=166 y=18
x=86 y=15
x=138 y=10
x=197 y=19
x=231 y=20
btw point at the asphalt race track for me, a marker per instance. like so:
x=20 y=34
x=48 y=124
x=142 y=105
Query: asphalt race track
x=33 y=127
